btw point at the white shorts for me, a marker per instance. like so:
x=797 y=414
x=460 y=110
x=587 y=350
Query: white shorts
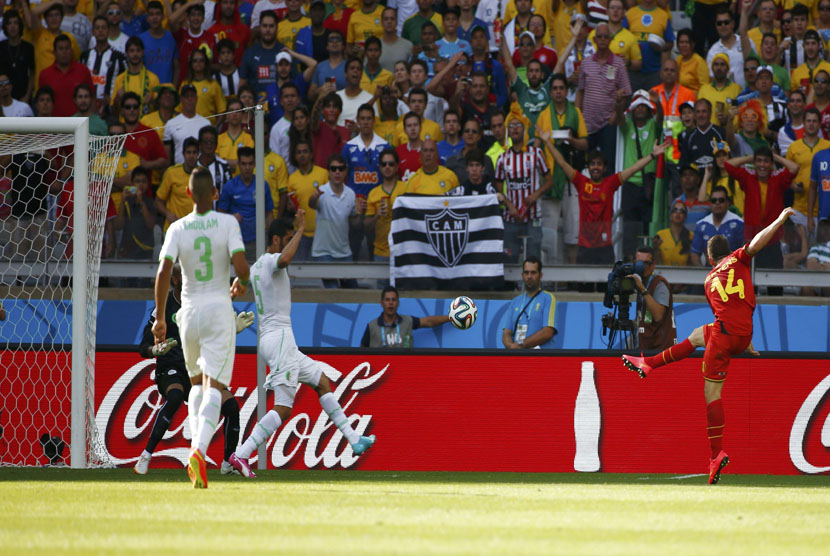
x=208 y=333
x=289 y=366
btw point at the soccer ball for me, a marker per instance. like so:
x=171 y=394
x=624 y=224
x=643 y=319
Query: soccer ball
x=463 y=312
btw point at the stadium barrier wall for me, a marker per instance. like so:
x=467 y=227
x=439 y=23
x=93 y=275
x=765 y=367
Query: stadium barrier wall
x=777 y=327
x=468 y=411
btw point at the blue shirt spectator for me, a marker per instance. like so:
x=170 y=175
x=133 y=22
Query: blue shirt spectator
x=135 y=25
x=275 y=110
x=732 y=227
x=259 y=68
x=446 y=49
x=445 y=150
x=324 y=71
x=526 y=315
x=820 y=174
x=468 y=34
x=497 y=77
x=159 y=55
x=363 y=162
x=238 y=197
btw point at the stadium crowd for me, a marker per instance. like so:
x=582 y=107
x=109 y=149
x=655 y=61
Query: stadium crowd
x=366 y=102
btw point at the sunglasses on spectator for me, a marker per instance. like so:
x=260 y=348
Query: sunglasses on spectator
x=786 y=21
x=602 y=36
x=723 y=22
x=337 y=168
x=114 y=12
x=131 y=107
x=679 y=209
x=5 y=82
x=717 y=200
x=821 y=80
x=388 y=163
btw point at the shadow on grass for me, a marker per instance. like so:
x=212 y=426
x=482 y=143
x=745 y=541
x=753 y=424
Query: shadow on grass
x=10 y=474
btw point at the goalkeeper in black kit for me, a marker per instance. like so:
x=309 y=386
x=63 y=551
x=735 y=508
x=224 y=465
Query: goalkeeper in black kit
x=173 y=382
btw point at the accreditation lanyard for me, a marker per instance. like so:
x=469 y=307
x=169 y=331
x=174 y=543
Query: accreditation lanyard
x=397 y=333
x=674 y=103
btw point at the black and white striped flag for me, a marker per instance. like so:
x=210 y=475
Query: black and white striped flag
x=447 y=242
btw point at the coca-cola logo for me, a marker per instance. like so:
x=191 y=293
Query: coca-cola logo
x=815 y=400
x=126 y=415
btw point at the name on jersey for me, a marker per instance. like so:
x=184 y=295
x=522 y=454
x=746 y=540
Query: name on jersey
x=202 y=224
x=365 y=177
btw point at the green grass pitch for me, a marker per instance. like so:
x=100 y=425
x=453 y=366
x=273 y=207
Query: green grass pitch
x=348 y=512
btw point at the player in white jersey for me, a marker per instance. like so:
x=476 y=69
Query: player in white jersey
x=289 y=366
x=206 y=243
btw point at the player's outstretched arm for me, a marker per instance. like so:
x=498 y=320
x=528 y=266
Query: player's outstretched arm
x=764 y=236
x=161 y=289
x=290 y=250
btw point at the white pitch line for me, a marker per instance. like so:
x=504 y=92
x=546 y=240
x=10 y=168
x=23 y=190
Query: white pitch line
x=689 y=476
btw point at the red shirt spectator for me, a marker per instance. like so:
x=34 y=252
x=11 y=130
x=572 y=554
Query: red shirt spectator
x=188 y=43
x=145 y=142
x=229 y=26
x=63 y=82
x=410 y=161
x=341 y=24
x=328 y=141
x=596 y=209
x=762 y=205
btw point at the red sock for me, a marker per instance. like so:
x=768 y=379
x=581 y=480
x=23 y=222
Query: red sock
x=715 y=425
x=674 y=353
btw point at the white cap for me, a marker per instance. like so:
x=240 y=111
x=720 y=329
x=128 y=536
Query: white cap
x=656 y=39
x=528 y=34
x=283 y=56
x=640 y=101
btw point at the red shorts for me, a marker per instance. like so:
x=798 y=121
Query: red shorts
x=720 y=347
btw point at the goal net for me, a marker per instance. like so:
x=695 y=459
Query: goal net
x=55 y=184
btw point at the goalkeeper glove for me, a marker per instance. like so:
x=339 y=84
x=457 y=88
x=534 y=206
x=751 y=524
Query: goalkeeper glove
x=244 y=320
x=165 y=346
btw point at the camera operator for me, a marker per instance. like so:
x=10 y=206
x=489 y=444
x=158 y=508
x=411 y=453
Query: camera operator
x=655 y=318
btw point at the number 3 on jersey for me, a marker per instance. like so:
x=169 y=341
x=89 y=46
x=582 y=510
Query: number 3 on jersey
x=203 y=243
x=730 y=287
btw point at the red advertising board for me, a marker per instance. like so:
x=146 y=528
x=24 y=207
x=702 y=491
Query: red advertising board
x=553 y=413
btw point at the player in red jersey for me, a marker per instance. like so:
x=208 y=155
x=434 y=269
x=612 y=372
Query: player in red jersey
x=731 y=296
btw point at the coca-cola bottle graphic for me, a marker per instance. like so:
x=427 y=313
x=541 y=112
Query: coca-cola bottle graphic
x=587 y=422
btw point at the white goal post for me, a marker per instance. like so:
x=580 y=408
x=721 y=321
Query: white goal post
x=67 y=150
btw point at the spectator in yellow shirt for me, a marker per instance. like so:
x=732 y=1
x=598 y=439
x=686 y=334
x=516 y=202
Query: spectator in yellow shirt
x=136 y=78
x=234 y=137
x=172 y=199
x=432 y=178
x=692 y=71
x=209 y=98
x=374 y=75
x=379 y=203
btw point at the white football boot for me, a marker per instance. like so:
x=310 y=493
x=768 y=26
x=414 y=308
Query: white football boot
x=142 y=465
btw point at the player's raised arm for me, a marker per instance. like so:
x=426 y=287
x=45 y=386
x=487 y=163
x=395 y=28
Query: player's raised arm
x=290 y=249
x=764 y=236
x=161 y=289
x=243 y=274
